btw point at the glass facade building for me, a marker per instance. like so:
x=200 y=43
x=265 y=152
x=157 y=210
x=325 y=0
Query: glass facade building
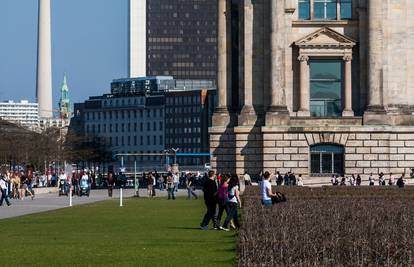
x=182 y=39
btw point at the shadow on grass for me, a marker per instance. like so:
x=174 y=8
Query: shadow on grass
x=185 y=228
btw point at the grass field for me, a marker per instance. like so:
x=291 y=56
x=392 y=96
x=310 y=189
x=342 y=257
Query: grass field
x=142 y=233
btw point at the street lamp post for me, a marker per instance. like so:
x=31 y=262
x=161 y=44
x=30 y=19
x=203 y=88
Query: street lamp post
x=175 y=154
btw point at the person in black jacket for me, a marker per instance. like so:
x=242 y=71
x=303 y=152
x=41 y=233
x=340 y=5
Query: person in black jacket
x=210 y=200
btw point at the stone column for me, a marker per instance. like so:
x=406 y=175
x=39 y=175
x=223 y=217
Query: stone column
x=304 y=87
x=375 y=111
x=348 y=112
x=221 y=115
x=278 y=113
x=248 y=114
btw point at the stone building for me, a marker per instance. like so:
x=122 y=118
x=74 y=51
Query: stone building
x=316 y=87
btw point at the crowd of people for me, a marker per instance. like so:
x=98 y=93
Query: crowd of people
x=16 y=185
x=171 y=182
x=288 y=179
x=357 y=180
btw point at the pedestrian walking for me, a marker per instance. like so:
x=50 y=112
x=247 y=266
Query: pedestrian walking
x=170 y=186
x=176 y=178
x=110 y=183
x=24 y=185
x=150 y=185
x=222 y=199
x=371 y=180
x=358 y=180
x=210 y=200
x=190 y=182
x=247 y=179
x=233 y=202
x=154 y=183
x=4 y=195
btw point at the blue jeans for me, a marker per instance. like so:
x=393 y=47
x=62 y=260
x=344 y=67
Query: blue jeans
x=267 y=202
x=232 y=214
x=190 y=192
x=4 y=196
x=171 y=193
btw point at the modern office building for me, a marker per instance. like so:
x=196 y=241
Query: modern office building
x=188 y=114
x=148 y=116
x=173 y=38
x=21 y=113
x=325 y=87
x=131 y=123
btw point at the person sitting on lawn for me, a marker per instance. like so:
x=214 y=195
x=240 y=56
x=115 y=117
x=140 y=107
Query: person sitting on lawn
x=266 y=190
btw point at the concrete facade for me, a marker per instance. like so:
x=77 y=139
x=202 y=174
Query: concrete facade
x=273 y=125
x=44 y=61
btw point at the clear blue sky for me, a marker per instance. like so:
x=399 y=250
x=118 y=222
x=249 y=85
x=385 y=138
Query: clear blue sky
x=89 y=43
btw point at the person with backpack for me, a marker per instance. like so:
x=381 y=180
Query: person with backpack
x=233 y=202
x=222 y=199
x=210 y=200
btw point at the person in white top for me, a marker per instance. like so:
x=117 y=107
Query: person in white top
x=371 y=180
x=233 y=200
x=176 y=179
x=266 y=190
x=300 y=180
x=247 y=179
x=4 y=195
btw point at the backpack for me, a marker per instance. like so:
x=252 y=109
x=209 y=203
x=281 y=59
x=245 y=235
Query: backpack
x=280 y=197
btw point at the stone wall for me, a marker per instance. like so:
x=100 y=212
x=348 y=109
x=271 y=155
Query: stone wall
x=367 y=149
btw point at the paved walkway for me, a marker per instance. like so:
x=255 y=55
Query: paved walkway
x=47 y=202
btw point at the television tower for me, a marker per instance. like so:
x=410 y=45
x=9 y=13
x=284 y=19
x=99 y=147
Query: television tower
x=44 y=61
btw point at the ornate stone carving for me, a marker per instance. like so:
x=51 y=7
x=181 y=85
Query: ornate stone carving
x=347 y=58
x=303 y=58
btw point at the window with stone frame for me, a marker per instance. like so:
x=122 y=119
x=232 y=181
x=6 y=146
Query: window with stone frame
x=327 y=159
x=325 y=9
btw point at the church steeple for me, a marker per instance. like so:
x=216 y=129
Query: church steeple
x=64 y=103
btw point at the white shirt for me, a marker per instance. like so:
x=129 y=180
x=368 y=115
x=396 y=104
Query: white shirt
x=265 y=185
x=3 y=184
x=176 y=179
x=232 y=192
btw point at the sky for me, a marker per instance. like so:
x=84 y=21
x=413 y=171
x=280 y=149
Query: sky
x=89 y=43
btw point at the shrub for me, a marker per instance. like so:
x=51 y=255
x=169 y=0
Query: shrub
x=330 y=226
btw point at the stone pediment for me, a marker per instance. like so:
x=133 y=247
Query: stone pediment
x=325 y=37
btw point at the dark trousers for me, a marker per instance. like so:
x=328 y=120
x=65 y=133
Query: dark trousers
x=210 y=214
x=232 y=214
x=171 y=192
x=222 y=207
x=110 y=187
x=4 y=196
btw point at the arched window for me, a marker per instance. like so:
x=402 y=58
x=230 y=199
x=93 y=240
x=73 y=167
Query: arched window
x=327 y=159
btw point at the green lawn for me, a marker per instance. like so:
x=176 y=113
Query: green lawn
x=142 y=233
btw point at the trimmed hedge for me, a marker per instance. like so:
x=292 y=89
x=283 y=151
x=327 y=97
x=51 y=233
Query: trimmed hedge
x=330 y=226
